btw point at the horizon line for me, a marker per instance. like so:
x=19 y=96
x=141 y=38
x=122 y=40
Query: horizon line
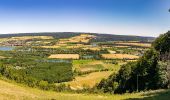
x=80 y=33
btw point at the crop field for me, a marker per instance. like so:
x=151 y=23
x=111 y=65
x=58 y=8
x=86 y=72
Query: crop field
x=27 y=38
x=2 y=57
x=119 y=56
x=92 y=48
x=89 y=80
x=93 y=78
x=94 y=65
x=84 y=38
x=50 y=46
x=121 y=46
x=64 y=56
x=135 y=44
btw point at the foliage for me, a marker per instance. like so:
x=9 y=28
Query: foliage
x=162 y=43
x=149 y=72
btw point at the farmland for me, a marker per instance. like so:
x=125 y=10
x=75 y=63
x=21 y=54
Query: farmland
x=64 y=56
x=89 y=80
x=134 y=44
x=119 y=56
x=77 y=62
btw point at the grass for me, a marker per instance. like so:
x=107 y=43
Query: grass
x=13 y=91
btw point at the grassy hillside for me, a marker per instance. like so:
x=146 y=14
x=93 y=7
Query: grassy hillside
x=10 y=90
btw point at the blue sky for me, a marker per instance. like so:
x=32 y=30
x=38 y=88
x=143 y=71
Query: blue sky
x=132 y=17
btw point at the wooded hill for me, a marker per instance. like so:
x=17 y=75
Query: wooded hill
x=151 y=71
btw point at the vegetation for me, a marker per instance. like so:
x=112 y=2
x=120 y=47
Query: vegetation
x=10 y=90
x=149 y=72
x=71 y=63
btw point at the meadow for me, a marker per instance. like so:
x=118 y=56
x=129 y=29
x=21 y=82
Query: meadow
x=11 y=90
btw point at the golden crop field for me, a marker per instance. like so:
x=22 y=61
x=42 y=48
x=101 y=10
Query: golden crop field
x=50 y=46
x=121 y=46
x=85 y=38
x=2 y=57
x=111 y=51
x=119 y=56
x=89 y=80
x=134 y=44
x=64 y=56
x=92 y=48
x=25 y=38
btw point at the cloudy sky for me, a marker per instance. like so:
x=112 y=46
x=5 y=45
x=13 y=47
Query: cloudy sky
x=132 y=17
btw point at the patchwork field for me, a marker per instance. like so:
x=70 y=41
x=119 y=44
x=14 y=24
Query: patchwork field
x=119 y=56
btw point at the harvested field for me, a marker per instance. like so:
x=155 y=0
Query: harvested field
x=2 y=57
x=122 y=46
x=111 y=51
x=89 y=80
x=81 y=38
x=32 y=37
x=92 y=48
x=64 y=56
x=50 y=46
x=119 y=56
x=135 y=44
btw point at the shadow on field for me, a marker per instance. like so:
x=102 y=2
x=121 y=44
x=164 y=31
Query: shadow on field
x=160 y=95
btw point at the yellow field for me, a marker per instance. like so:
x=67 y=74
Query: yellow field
x=119 y=56
x=92 y=48
x=2 y=57
x=135 y=44
x=122 y=46
x=64 y=56
x=88 y=80
x=32 y=37
x=23 y=38
x=50 y=46
x=111 y=51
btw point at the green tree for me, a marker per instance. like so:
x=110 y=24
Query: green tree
x=162 y=43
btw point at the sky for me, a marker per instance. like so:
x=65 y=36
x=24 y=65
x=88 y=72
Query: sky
x=124 y=17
